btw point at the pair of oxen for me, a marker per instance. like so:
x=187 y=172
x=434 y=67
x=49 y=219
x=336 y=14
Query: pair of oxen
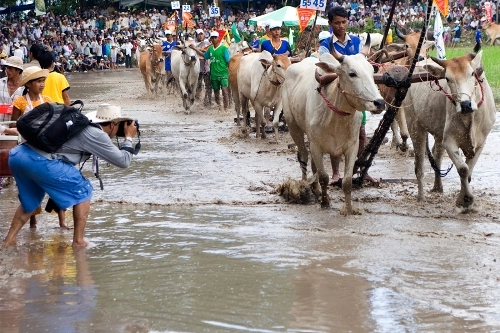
x=457 y=110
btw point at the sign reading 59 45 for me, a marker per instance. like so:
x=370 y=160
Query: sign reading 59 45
x=313 y=4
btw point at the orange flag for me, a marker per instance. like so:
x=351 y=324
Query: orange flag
x=305 y=15
x=186 y=16
x=442 y=6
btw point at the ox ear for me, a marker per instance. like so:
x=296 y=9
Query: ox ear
x=177 y=47
x=476 y=61
x=327 y=67
x=265 y=63
x=435 y=70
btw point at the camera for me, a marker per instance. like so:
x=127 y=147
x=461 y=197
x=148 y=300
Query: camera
x=121 y=127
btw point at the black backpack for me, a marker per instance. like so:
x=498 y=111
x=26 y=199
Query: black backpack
x=49 y=125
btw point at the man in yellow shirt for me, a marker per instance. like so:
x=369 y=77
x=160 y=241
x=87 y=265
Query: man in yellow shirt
x=56 y=85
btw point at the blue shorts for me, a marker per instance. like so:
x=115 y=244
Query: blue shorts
x=36 y=175
x=168 y=67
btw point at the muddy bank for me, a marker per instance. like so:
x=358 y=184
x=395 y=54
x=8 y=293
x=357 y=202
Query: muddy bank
x=194 y=238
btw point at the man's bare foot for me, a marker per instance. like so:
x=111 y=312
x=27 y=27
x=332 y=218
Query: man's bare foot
x=374 y=181
x=6 y=244
x=82 y=243
x=336 y=180
x=64 y=226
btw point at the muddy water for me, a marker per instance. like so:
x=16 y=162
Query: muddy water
x=192 y=238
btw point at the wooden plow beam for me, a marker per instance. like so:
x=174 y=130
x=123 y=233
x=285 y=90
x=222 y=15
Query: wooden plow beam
x=365 y=159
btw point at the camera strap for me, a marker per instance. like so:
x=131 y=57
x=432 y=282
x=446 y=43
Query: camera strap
x=95 y=169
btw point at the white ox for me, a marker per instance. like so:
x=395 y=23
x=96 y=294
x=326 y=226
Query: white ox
x=460 y=122
x=259 y=80
x=185 y=70
x=331 y=127
x=375 y=39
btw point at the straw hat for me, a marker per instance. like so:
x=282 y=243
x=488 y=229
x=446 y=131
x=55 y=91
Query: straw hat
x=15 y=62
x=105 y=113
x=33 y=73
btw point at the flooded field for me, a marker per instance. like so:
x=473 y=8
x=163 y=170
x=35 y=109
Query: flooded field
x=193 y=238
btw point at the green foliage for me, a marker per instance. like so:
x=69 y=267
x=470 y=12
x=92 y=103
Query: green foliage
x=63 y=6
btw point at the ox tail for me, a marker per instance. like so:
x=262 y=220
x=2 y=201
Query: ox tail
x=303 y=165
x=434 y=165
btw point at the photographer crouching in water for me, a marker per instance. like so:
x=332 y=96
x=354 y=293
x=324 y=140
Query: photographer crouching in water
x=38 y=172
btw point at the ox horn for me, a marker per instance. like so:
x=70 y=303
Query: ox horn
x=438 y=61
x=366 y=47
x=339 y=57
x=400 y=34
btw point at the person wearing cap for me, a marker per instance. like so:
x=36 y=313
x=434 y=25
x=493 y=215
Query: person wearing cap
x=457 y=34
x=127 y=46
x=202 y=44
x=267 y=35
x=276 y=45
x=168 y=46
x=347 y=45
x=218 y=54
x=321 y=37
x=18 y=52
x=37 y=172
x=255 y=43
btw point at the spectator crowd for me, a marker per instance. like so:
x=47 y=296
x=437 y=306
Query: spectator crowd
x=105 y=38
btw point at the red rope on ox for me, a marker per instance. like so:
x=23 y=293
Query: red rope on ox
x=436 y=81
x=329 y=104
x=480 y=86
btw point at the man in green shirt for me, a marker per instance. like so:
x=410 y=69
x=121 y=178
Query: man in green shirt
x=218 y=54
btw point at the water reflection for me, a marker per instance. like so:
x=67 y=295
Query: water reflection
x=60 y=295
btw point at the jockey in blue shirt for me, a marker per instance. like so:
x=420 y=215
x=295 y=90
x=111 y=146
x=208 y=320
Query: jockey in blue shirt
x=347 y=45
x=276 y=45
x=168 y=45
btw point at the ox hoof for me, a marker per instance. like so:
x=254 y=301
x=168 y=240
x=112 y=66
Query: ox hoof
x=345 y=211
x=325 y=203
x=466 y=201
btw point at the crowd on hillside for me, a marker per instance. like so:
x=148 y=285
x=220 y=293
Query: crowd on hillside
x=102 y=38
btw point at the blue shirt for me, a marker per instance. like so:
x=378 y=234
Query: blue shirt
x=255 y=44
x=478 y=35
x=167 y=47
x=284 y=48
x=353 y=45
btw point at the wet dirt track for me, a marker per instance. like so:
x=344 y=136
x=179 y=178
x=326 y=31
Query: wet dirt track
x=193 y=238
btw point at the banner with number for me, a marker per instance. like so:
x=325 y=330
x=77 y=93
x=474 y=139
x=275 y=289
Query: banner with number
x=176 y=4
x=304 y=17
x=315 y=4
x=213 y=12
x=442 y=6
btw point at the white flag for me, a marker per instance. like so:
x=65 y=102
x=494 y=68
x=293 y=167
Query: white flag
x=438 y=36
